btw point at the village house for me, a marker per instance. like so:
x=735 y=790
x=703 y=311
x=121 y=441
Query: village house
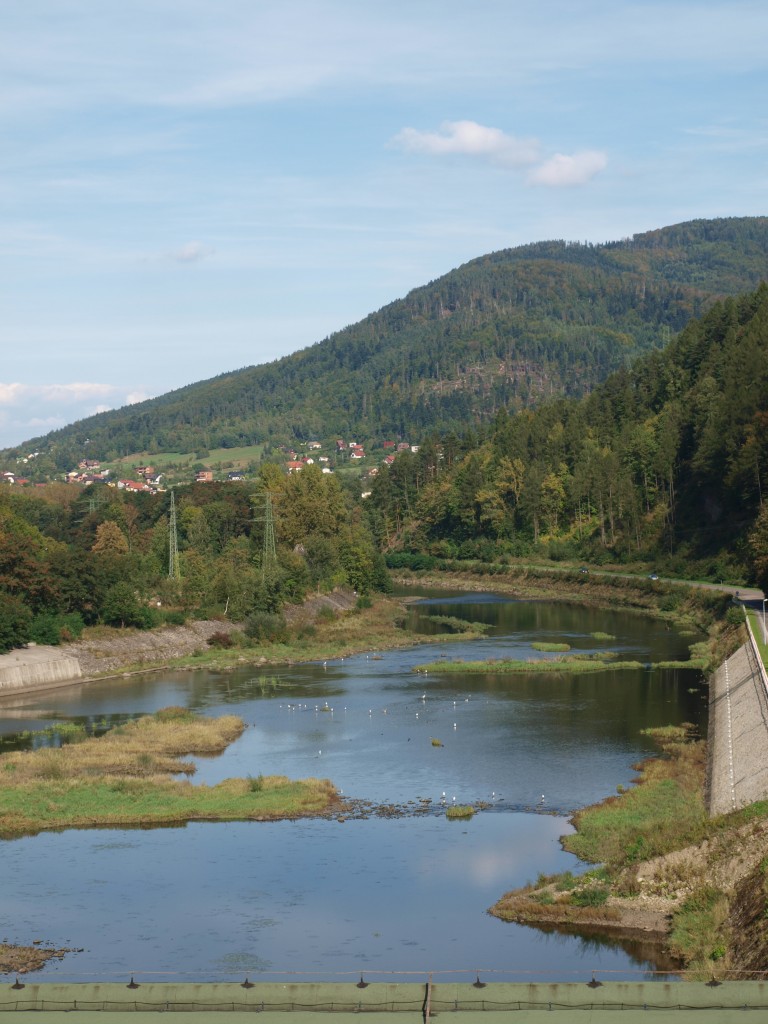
x=204 y=476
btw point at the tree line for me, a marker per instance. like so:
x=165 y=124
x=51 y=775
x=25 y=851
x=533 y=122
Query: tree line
x=666 y=462
x=71 y=556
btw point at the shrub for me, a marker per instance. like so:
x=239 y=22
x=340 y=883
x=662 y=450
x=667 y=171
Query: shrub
x=735 y=616
x=174 y=618
x=15 y=622
x=266 y=627
x=256 y=785
x=220 y=639
x=49 y=628
x=595 y=896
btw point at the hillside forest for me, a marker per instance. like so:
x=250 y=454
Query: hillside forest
x=505 y=331
x=664 y=465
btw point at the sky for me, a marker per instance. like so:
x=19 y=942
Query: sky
x=188 y=187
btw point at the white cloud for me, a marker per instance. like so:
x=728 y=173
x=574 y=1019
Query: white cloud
x=27 y=410
x=469 y=138
x=561 y=170
x=134 y=397
x=54 y=394
x=192 y=252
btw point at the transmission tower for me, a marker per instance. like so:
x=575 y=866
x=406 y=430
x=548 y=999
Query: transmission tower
x=269 y=552
x=174 y=571
x=93 y=501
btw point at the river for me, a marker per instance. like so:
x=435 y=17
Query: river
x=320 y=899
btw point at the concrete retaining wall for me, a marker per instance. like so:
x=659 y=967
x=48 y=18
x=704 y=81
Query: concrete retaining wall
x=738 y=733
x=36 y=668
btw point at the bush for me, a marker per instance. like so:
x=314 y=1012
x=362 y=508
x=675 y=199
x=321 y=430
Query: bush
x=266 y=627
x=15 y=623
x=174 y=618
x=122 y=608
x=596 y=896
x=414 y=562
x=49 y=628
x=220 y=639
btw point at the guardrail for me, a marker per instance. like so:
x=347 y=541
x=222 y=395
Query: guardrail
x=754 y=654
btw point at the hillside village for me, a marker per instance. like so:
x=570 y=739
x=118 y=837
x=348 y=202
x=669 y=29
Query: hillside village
x=150 y=479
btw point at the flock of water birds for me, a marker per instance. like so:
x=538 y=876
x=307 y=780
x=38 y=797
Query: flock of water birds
x=329 y=709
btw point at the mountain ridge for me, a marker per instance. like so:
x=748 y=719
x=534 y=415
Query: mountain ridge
x=504 y=329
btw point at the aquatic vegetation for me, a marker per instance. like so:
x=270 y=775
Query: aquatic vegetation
x=460 y=811
x=542 y=645
x=570 y=665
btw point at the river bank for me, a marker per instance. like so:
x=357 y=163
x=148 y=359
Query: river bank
x=338 y=625
x=351 y=630
x=694 y=884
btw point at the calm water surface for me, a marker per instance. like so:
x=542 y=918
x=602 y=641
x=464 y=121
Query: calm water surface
x=320 y=898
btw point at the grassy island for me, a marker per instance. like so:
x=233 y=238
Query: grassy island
x=129 y=776
x=492 y=666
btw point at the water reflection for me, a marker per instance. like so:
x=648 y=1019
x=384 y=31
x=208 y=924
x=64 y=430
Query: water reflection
x=209 y=901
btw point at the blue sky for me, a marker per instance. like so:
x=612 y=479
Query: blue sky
x=188 y=187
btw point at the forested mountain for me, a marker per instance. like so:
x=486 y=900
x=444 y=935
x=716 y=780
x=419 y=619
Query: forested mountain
x=503 y=331
x=666 y=461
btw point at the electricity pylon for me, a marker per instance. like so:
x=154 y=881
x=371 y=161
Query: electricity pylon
x=269 y=551
x=174 y=570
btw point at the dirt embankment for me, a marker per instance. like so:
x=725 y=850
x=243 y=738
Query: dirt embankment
x=114 y=650
x=734 y=862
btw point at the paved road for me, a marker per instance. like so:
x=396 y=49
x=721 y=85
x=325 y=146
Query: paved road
x=738 y=734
